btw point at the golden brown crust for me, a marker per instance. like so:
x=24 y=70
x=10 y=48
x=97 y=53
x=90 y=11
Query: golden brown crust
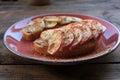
x=85 y=48
x=33 y=30
x=29 y=35
x=66 y=53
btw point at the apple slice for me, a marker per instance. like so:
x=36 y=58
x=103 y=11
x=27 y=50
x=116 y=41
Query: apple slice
x=96 y=27
x=40 y=46
x=54 y=39
x=76 y=32
x=68 y=38
x=86 y=32
x=78 y=37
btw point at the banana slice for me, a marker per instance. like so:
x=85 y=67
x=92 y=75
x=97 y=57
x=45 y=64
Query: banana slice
x=50 y=24
x=65 y=19
x=69 y=19
x=52 y=18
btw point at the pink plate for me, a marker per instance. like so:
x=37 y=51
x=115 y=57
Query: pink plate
x=15 y=43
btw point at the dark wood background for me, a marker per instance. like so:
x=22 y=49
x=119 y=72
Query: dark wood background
x=17 y=68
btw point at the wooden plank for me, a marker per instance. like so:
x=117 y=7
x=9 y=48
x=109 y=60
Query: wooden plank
x=41 y=72
x=13 y=12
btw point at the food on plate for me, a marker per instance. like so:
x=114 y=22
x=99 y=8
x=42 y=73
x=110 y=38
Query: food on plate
x=33 y=30
x=54 y=40
x=69 y=40
x=36 y=26
x=40 y=46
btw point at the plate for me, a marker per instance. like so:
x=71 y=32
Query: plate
x=14 y=42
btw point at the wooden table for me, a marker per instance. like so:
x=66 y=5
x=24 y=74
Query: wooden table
x=17 y=68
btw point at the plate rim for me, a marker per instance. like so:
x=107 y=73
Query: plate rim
x=59 y=62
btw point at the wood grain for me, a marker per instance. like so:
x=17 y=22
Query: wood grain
x=78 y=72
x=104 y=68
x=15 y=11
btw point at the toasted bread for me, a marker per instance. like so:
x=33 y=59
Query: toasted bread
x=70 y=40
x=41 y=48
x=84 y=49
x=33 y=30
x=37 y=25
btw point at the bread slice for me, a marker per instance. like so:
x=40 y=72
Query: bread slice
x=41 y=47
x=33 y=30
x=84 y=49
